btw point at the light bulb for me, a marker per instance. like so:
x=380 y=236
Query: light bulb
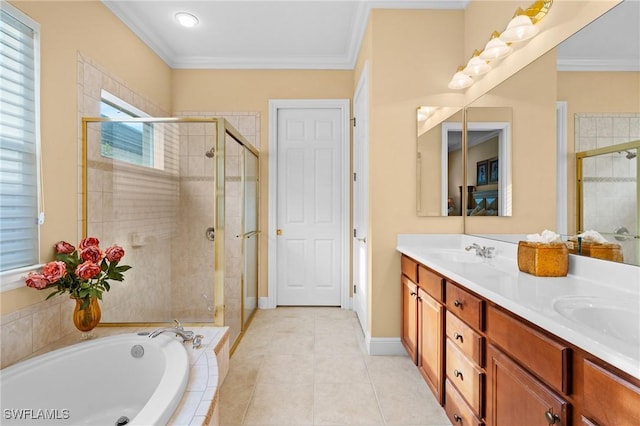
x=476 y=66
x=495 y=49
x=520 y=28
x=460 y=80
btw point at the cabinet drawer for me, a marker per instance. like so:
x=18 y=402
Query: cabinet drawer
x=609 y=399
x=465 y=305
x=465 y=338
x=431 y=283
x=457 y=410
x=409 y=268
x=543 y=356
x=515 y=397
x=465 y=376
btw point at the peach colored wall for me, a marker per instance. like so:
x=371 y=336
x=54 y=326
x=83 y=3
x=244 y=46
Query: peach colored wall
x=251 y=90
x=410 y=64
x=66 y=29
x=593 y=92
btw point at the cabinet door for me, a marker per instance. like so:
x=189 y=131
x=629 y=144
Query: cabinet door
x=410 y=318
x=430 y=347
x=609 y=399
x=515 y=397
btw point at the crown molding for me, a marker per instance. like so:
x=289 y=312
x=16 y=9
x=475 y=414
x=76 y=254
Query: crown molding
x=582 y=64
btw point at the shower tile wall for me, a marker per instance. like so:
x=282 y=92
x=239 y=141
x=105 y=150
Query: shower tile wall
x=609 y=180
x=193 y=254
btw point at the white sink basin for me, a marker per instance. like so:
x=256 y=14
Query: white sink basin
x=458 y=256
x=613 y=317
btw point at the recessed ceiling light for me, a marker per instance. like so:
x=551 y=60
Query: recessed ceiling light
x=187 y=19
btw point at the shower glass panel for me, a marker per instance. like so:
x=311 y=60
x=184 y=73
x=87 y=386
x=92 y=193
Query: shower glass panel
x=608 y=194
x=149 y=187
x=170 y=191
x=250 y=237
x=233 y=234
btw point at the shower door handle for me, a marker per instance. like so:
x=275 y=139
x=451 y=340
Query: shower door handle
x=211 y=234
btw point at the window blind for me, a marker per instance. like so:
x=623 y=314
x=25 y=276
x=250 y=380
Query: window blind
x=18 y=144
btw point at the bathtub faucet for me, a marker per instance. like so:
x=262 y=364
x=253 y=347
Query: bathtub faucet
x=178 y=330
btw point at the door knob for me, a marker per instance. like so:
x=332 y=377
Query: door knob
x=278 y=231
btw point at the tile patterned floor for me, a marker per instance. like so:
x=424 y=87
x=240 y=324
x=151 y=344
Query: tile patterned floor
x=308 y=366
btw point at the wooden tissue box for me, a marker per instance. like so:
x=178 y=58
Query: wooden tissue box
x=543 y=260
x=605 y=251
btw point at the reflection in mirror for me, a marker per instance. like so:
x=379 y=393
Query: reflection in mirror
x=439 y=161
x=489 y=184
x=608 y=192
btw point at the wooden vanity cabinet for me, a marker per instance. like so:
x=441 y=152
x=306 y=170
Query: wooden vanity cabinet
x=464 y=347
x=608 y=399
x=487 y=365
x=423 y=323
x=516 y=397
x=409 y=336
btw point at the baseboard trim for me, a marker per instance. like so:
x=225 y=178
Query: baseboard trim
x=384 y=345
x=263 y=303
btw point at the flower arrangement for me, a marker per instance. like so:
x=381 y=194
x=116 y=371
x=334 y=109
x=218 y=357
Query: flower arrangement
x=81 y=272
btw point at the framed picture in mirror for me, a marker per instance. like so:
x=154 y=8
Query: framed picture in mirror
x=493 y=170
x=481 y=172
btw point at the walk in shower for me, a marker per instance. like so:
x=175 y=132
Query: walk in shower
x=180 y=195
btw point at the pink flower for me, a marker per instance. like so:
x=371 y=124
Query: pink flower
x=115 y=253
x=35 y=280
x=87 y=270
x=87 y=242
x=55 y=270
x=64 y=247
x=92 y=253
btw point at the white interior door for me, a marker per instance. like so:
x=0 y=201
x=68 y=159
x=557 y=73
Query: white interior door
x=361 y=200
x=310 y=219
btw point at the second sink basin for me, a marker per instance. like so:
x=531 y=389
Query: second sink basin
x=613 y=317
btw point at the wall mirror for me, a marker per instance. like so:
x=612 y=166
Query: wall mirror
x=597 y=80
x=489 y=183
x=439 y=161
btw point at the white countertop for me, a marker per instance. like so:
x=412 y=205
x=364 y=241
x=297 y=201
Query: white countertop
x=536 y=298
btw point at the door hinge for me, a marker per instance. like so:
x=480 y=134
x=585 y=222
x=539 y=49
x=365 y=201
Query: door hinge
x=354 y=289
x=354 y=233
x=354 y=121
x=354 y=177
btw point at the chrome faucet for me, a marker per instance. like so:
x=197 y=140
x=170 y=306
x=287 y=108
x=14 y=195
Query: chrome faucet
x=178 y=330
x=482 y=251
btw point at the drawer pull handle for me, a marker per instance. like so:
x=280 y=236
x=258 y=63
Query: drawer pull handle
x=413 y=293
x=458 y=374
x=457 y=418
x=458 y=336
x=457 y=303
x=551 y=417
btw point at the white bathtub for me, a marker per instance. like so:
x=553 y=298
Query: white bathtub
x=97 y=383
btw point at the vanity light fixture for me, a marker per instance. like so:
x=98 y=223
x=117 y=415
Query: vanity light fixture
x=476 y=65
x=495 y=48
x=460 y=80
x=187 y=20
x=521 y=27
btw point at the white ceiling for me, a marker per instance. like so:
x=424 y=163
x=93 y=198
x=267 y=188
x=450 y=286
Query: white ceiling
x=295 y=34
x=326 y=34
